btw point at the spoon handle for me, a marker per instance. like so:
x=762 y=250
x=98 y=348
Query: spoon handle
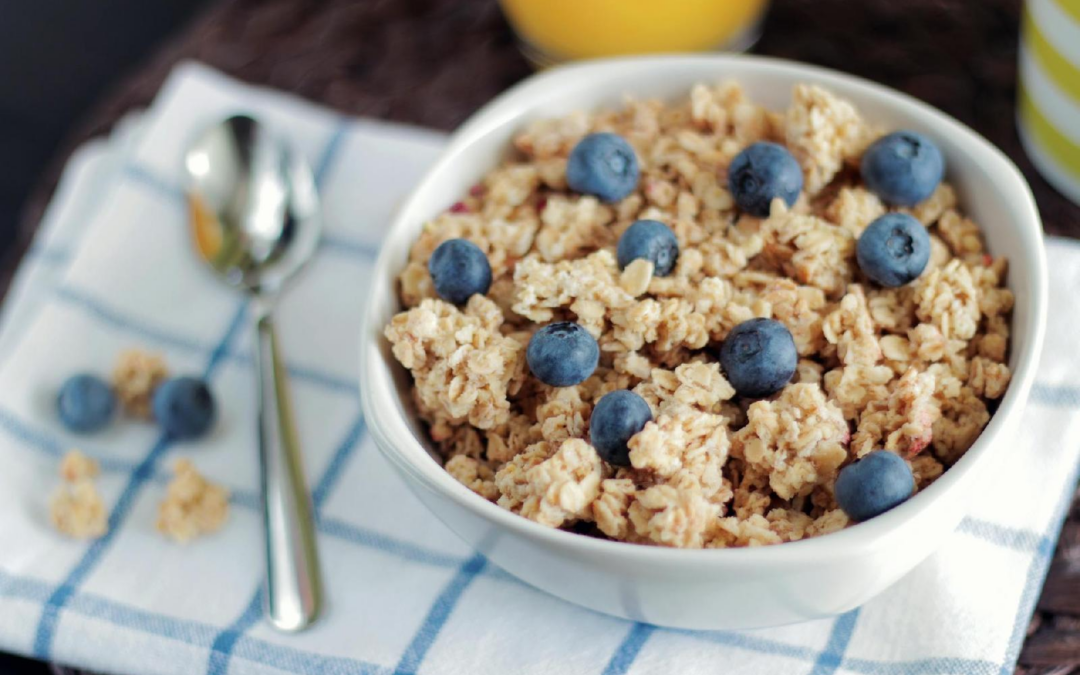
x=293 y=591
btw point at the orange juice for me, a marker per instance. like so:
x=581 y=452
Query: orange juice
x=557 y=30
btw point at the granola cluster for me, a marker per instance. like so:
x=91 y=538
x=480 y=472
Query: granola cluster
x=76 y=508
x=193 y=506
x=135 y=377
x=914 y=370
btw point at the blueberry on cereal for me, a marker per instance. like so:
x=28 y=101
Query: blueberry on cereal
x=893 y=250
x=603 y=165
x=85 y=403
x=652 y=241
x=184 y=407
x=871 y=486
x=759 y=357
x=562 y=354
x=459 y=270
x=618 y=415
x=903 y=168
x=762 y=172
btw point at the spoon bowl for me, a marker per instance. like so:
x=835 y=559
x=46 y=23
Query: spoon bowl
x=255 y=211
x=256 y=221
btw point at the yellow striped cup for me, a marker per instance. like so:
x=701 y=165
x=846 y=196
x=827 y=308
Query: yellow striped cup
x=1048 y=96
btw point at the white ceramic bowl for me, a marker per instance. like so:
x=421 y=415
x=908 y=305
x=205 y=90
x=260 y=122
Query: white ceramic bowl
x=705 y=589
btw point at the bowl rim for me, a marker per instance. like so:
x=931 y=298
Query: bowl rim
x=853 y=540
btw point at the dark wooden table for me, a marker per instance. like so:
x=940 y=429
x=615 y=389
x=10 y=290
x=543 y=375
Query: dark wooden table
x=433 y=62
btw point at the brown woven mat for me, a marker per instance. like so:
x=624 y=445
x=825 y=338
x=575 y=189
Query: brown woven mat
x=433 y=62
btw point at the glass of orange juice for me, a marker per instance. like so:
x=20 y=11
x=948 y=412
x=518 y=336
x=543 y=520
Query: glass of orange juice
x=552 y=31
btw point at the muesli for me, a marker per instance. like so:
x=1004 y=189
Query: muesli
x=540 y=292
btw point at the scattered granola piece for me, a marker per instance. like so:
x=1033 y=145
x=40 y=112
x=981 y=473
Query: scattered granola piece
x=193 y=506
x=76 y=466
x=77 y=510
x=136 y=375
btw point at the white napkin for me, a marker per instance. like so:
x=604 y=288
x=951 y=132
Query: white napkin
x=112 y=269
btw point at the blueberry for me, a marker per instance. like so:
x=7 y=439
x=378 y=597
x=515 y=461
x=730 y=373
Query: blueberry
x=902 y=168
x=562 y=354
x=893 y=250
x=873 y=485
x=459 y=270
x=759 y=357
x=651 y=240
x=603 y=165
x=85 y=403
x=184 y=407
x=615 y=419
x=762 y=172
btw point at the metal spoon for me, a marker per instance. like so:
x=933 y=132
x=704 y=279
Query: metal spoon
x=256 y=220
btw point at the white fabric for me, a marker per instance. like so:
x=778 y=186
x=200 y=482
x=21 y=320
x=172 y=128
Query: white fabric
x=112 y=268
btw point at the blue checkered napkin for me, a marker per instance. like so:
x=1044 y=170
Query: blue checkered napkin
x=112 y=269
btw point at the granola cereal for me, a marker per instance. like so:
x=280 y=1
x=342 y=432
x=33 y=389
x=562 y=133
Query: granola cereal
x=76 y=508
x=913 y=370
x=463 y=364
x=799 y=440
x=76 y=466
x=193 y=506
x=136 y=374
